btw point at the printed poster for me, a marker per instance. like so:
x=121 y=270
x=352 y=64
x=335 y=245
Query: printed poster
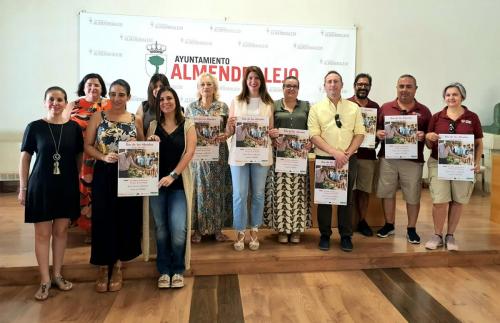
x=291 y=151
x=456 y=157
x=252 y=141
x=138 y=168
x=330 y=183
x=401 y=137
x=208 y=129
x=370 y=123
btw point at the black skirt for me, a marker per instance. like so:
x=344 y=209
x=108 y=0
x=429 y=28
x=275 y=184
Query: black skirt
x=116 y=221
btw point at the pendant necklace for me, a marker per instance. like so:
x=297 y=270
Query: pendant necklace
x=56 y=157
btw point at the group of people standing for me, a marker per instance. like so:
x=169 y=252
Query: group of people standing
x=206 y=196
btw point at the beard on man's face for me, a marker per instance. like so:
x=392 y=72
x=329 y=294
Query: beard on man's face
x=362 y=94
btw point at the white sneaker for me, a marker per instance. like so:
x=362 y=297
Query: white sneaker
x=451 y=244
x=177 y=281
x=434 y=242
x=164 y=281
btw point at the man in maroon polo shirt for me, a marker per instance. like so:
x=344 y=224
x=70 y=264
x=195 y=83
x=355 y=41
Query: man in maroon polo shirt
x=406 y=173
x=367 y=157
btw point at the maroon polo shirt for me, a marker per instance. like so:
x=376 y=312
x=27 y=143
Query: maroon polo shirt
x=467 y=124
x=392 y=109
x=367 y=153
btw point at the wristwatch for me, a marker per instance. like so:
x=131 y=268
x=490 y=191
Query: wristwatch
x=173 y=174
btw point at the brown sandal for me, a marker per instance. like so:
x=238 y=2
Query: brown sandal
x=101 y=284
x=116 y=281
x=221 y=237
x=196 y=237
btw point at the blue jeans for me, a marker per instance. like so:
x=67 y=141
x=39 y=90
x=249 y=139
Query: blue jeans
x=169 y=212
x=241 y=177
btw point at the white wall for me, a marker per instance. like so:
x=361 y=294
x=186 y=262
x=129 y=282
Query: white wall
x=437 y=41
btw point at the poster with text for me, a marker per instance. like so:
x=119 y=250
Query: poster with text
x=138 y=168
x=330 y=183
x=291 y=151
x=401 y=137
x=456 y=157
x=208 y=129
x=252 y=141
x=183 y=49
x=370 y=123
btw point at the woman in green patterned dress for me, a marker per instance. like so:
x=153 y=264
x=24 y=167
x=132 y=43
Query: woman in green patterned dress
x=212 y=205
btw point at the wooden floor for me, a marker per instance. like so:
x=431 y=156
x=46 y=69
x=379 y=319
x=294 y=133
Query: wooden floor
x=438 y=294
x=478 y=238
x=382 y=280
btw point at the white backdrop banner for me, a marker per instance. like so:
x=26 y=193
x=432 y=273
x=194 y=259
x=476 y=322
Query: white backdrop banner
x=135 y=47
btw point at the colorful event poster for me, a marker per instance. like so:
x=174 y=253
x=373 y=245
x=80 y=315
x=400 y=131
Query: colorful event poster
x=252 y=141
x=401 y=137
x=370 y=123
x=207 y=130
x=291 y=151
x=330 y=183
x=138 y=168
x=456 y=157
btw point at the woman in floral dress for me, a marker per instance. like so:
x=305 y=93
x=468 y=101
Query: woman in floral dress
x=212 y=207
x=92 y=91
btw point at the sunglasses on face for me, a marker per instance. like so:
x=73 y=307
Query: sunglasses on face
x=337 y=121
x=452 y=127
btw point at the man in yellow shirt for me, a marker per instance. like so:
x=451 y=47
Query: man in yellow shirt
x=336 y=129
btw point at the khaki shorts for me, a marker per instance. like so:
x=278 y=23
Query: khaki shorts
x=367 y=175
x=406 y=173
x=444 y=191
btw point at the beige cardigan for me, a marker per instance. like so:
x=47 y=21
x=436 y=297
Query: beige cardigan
x=148 y=232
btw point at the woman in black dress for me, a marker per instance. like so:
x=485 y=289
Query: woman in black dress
x=116 y=221
x=50 y=194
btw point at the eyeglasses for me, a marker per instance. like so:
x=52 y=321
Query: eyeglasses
x=452 y=127
x=290 y=86
x=337 y=121
x=363 y=85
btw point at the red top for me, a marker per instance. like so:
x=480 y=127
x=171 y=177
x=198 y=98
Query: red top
x=392 y=109
x=367 y=153
x=467 y=124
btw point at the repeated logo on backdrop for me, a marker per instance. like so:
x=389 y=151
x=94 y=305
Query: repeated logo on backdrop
x=134 y=48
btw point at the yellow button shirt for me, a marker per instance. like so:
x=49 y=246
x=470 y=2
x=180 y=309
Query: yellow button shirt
x=321 y=122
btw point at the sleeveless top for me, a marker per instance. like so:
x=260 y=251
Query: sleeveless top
x=109 y=133
x=83 y=110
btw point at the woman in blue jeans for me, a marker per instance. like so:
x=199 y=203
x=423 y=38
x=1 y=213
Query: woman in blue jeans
x=253 y=100
x=171 y=208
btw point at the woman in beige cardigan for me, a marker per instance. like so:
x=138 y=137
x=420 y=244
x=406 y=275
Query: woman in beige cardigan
x=171 y=208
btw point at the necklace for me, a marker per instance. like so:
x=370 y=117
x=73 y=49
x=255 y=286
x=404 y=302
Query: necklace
x=56 y=157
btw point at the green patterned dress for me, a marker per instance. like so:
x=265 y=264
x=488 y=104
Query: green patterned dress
x=212 y=198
